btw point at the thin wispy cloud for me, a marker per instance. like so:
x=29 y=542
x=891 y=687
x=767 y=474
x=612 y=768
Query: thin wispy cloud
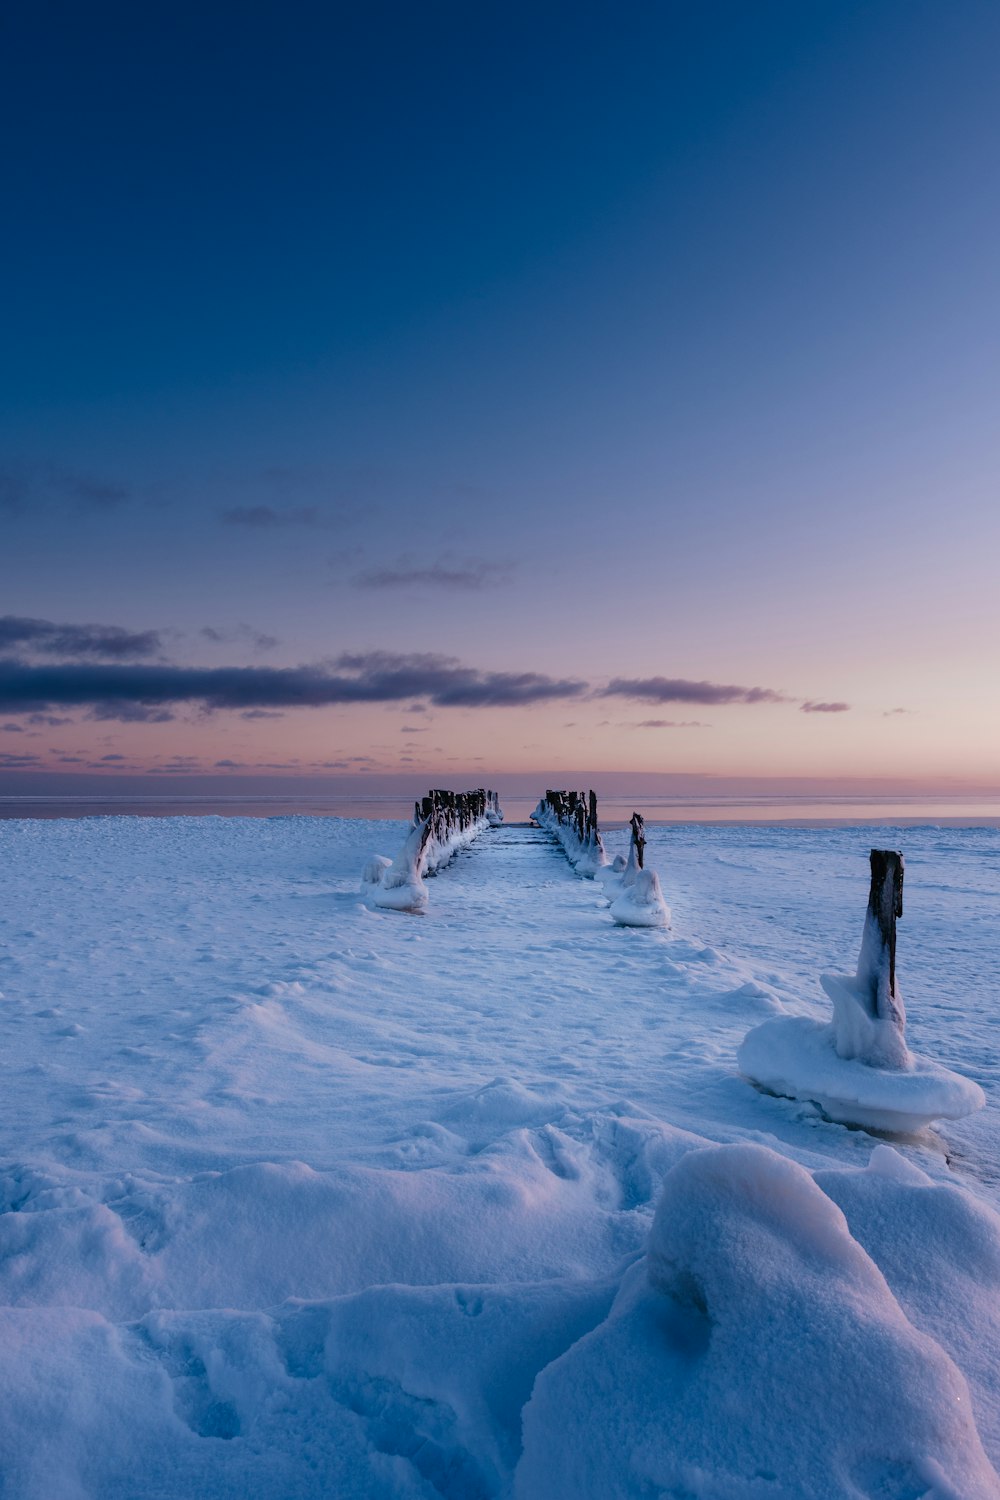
x=470 y=573
x=683 y=690
x=668 y=724
x=258 y=639
x=811 y=707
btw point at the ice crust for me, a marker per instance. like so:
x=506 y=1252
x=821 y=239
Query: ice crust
x=298 y=1199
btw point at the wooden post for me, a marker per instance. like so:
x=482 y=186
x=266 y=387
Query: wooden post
x=877 y=964
x=592 y=811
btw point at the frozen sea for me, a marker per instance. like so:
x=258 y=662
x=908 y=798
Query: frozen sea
x=301 y=1198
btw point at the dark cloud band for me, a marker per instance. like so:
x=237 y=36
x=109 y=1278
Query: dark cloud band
x=374 y=678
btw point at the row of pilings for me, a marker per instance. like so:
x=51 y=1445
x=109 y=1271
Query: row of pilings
x=448 y=815
x=632 y=890
x=443 y=823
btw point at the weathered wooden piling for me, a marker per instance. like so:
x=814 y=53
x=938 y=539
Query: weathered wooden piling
x=877 y=960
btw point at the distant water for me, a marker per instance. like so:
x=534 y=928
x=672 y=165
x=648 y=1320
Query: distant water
x=811 y=811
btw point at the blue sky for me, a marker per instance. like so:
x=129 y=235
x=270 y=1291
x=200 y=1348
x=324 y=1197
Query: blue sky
x=593 y=343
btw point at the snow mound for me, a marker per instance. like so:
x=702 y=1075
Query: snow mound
x=758 y=1352
x=640 y=903
x=797 y=1057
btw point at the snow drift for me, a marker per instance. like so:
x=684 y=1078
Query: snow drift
x=757 y=1351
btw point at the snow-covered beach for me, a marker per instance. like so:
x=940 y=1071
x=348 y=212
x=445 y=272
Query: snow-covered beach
x=303 y=1198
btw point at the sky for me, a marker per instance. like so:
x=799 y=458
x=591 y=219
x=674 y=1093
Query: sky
x=453 y=388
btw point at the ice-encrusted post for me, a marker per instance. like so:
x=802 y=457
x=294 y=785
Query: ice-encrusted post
x=857 y=1067
x=638 y=826
x=877 y=960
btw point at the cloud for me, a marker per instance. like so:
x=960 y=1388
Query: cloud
x=44 y=637
x=890 y=713
x=669 y=724
x=261 y=713
x=681 y=690
x=12 y=728
x=267 y=517
x=811 y=707
x=257 y=638
x=91 y=493
x=30 y=486
x=12 y=762
x=143 y=692
x=471 y=573
x=129 y=713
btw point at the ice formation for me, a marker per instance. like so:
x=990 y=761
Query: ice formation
x=641 y=903
x=633 y=892
x=857 y=1067
x=374 y=869
x=401 y=887
x=443 y=823
x=593 y=857
x=638 y=901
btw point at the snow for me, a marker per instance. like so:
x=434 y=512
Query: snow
x=301 y=1199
